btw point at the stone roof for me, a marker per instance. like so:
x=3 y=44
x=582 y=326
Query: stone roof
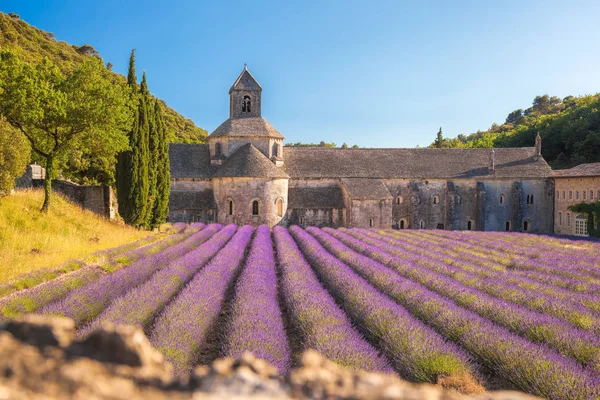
x=191 y=200
x=315 y=197
x=420 y=163
x=249 y=162
x=246 y=127
x=190 y=161
x=582 y=170
x=245 y=82
x=366 y=188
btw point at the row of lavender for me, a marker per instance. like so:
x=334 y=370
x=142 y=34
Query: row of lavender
x=364 y=299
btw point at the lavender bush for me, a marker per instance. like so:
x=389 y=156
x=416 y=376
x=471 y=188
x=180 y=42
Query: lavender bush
x=84 y=304
x=256 y=324
x=320 y=322
x=580 y=345
x=531 y=367
x=140 y=305
x=417 y=352
x=181 y=330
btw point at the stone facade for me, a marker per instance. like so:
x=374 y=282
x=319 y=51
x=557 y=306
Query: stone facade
x=245 y=161
x=577 y=185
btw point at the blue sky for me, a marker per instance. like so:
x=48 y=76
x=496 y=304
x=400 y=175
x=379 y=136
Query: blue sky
x=374 y=73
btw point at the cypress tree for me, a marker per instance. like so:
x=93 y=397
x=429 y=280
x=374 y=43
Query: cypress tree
x=140 y=159
x=154 y=150
x=125 y=171
x=163 y=174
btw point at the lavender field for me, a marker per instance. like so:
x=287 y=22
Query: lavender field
x=466 y=310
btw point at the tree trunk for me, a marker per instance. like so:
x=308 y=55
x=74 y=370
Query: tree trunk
x=47 y=184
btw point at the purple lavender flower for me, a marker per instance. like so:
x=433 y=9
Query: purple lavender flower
x=141 y=304
x=181 y=330
x=417 y=352
x=86 y=303
x=531 y=367
x=256 y=324
x=320 y=322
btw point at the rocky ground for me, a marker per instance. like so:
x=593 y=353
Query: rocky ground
x=39 y=359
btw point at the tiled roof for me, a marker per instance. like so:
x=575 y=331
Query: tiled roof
x=246 y=127
x=318 y=162
x=582 y=170
x=191 y=199
x=189 y=161
x=366 y=188
x=249 y=162
x=315 y=197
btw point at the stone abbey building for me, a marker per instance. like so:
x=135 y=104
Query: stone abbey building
x=244 y=175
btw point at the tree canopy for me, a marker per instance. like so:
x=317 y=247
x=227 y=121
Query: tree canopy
x=570 y=130
x=57 y=113
x=14 y=154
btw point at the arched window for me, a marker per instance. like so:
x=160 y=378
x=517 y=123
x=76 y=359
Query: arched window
x=531 y=200
x=301 y=220
x=255 y=208
x=584 y=195
x=577 y=195
x=436 y=199
x=502 y=198
x=399 y=199
x=568 y=219
x=246 y=104
x=280 y=207
x=507 y=226
x=570 y=195
x=560 y=218
x=457 y=199
x=526 y=225
x=469 y=225
x=422 y=224
x=591 y=195
x=402 y=224
x=218 y=149
x=564 y=195
x=229 y=207
x=371 y=222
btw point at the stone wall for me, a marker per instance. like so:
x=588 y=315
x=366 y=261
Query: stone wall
x=570 y=191
x=243 y=192
x=192 y=200
x=97 y=199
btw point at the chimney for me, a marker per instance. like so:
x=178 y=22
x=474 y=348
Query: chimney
x=492 y=166
x=538 y=146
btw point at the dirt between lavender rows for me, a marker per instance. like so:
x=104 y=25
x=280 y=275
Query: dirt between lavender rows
x=39 y=359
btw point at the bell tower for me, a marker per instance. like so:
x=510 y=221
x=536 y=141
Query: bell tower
x=244 y=96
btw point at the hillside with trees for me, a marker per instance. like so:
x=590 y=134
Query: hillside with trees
x=569 y=127
x=37 y=44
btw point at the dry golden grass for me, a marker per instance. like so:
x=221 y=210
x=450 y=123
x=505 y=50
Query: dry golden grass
x=31 y=241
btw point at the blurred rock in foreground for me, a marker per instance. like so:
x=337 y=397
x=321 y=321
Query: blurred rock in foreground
x=39 y=359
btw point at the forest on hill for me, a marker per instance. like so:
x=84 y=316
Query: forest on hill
x=37 y=44
x=569 y=127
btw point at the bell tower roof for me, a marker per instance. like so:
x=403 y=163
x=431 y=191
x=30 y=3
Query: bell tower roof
x=246 y=82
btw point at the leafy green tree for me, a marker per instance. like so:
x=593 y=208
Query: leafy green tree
x=439 y=140
x=163 y=175
x=14 y=154
x=514 y=116
x=59 y=112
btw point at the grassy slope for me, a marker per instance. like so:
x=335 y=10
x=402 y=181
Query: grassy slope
x=67 y=232
x=36 y=44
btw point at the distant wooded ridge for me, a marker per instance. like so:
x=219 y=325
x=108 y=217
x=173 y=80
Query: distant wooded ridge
x=569 y=127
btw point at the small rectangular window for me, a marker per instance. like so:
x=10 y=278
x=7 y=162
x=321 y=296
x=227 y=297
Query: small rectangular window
x=584 y=195
x=560 y=218
x=570 y=195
